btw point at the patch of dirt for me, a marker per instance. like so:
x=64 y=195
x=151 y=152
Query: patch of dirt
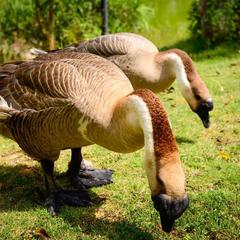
x=14 y=158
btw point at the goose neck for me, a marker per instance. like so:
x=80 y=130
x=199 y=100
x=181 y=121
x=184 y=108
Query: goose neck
x=178 y=67
x=159 y=143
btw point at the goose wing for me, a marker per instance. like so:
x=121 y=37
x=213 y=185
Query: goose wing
x=128 y=51
x=107 y=46
x=122 y=49
x=91 y=83
x=115 y=44
x=37 y=85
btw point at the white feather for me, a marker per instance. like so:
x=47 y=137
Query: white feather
x=3 y=103
x=37 y=52
x=182 y=80
x=144 y=117
x=4 y=109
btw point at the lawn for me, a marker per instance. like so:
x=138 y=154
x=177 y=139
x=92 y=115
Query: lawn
x=123 y=210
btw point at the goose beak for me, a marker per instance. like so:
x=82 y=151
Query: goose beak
x=169 y=209
x=203 y=112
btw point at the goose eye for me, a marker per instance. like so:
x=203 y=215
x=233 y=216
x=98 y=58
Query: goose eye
x=160 y=182
x=162 y=185
x=197 y=97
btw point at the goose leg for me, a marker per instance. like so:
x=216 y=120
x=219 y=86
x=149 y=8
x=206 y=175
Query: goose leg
x=84 y=176
x=57 y=196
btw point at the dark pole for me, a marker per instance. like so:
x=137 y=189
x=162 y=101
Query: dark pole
x=104 y=8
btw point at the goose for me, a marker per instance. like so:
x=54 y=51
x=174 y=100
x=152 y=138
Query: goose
x=87 y=176
x=85 y=101
x=145 y=67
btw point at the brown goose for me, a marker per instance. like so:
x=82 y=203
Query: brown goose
x=146 y=67
x=90 y=101
x=87 y=176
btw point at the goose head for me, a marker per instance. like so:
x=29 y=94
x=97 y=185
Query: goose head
x=169 y=209
x=169 y=196
x=203 y=101
x=197 y=93
x=191 y=85
x=198 y=98
x=168 y=189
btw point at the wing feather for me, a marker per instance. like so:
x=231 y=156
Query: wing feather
x=93 y=84
x=39 y=85
x=116 y=44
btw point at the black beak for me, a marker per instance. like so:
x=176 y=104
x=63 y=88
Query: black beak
x=203 y=112
x=169 y=209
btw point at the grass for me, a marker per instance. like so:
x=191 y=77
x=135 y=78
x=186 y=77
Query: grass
x=124 y=210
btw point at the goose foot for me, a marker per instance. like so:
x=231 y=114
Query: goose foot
x=95 y=177
x=88 y=178
x=58 y=198
x=84 y=176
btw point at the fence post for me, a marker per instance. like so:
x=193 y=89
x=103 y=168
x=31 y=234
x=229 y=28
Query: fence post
x=104 y=8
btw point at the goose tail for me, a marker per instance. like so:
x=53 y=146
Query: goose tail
x=6 y=71
x=5 y=110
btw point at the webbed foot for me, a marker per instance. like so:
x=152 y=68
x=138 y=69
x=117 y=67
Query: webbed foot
x=58 y=198
x=95 y=177
x=83 y=175
x=88 y=178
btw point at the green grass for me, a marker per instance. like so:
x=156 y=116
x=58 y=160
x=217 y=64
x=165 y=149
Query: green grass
x=124 y=210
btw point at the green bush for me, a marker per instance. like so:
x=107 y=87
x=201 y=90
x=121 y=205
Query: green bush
x=17 y=20
x=74 y=19
x=216 y=21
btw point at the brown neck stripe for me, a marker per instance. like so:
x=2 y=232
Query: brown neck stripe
x=164 y=141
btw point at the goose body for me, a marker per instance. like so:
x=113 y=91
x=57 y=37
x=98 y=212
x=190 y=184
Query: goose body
x=146 y=67
x=80 y=87
x=71 y=103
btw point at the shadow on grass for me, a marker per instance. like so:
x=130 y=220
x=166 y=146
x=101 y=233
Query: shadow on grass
x=17 y=186
x=18 y=193
x=116 y=229
x=20 y=185
x=181 y=140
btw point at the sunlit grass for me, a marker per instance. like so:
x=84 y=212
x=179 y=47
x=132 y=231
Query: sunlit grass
x=212 y=166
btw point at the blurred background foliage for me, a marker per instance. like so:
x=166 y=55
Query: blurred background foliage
x=215 y=21
x=73 y=20
x=169 y=23
x=52 y=24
